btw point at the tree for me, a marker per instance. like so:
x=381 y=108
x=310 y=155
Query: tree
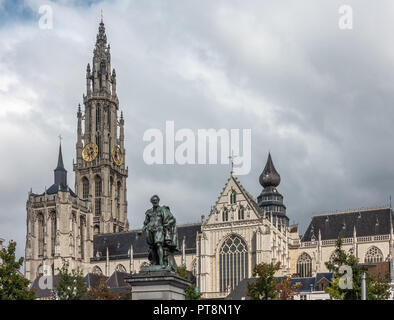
x=377 y=288
x=191 y=292
x=13 y=286
x=286 y=291
x=102 y=292
x=71 y=286
x=265 y=286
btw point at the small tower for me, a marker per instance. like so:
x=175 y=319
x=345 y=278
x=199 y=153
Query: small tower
x=270 y=199
x=57 y=227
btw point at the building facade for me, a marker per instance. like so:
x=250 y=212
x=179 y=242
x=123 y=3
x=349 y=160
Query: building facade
x=89 y=227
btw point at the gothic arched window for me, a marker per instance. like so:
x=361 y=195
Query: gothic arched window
x=233 y=197
x=120 y=268
x=373 y=255
x=40 y=222
x=85 y=188
x=109 y=122
x=304 y=265
x=98 y=117
x=225 y=214
x=241 y=213
x=82 y=235
x=233 y=262
x=111 y=185
x=98 y=185
x=98 y=143
x=53 y=233
x=119 y=195
x=119 y=190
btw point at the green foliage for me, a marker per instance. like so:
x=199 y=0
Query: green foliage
x=13 y=286
x=191 y=292
x=182 y=272
x=377 y=288
x=265 y=286
x=71 y=286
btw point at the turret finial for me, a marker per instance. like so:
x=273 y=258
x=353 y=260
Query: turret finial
x=269 y=177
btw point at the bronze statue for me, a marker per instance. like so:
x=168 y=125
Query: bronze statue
x=161 y=236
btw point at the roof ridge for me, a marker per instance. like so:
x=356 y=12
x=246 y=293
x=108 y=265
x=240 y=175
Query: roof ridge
x=350 y=211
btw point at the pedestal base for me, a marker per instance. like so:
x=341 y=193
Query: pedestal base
x=157 y=285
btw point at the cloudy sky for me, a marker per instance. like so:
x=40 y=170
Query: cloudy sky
x=318 y=97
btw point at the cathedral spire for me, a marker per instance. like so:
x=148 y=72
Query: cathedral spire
x=60 y=171
x=101 y=36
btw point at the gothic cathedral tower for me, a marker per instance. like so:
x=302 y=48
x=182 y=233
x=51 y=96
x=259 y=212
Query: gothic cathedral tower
x=100 y=172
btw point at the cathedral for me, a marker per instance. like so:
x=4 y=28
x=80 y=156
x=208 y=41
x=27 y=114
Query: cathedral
x=88 y=227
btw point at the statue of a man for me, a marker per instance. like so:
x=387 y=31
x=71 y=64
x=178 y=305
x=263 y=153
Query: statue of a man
x=161 y=235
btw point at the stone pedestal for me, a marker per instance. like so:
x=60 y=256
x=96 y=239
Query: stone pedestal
x=157 y=285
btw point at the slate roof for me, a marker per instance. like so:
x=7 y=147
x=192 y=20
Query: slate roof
x=240 y=291
x=118 y=244
x=55 y=188
x=93 y=280
x=60 y=177
x=43 y=293
x=368 y=222
x=117 y=280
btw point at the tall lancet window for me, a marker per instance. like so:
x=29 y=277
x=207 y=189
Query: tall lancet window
x=233 y=197
x=233 y=263
x=109 y=120
x=119 y=194
x=97 y=192
x=111 y=185
x=82 y=235
x=98 y=118
x=40 y=223
x=304 y=265
x=225 y=214
x=98 y=143
x=85 y=188
x=241 y=213
x=53 y=233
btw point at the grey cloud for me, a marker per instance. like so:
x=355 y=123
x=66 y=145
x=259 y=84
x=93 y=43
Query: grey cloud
x=317 y=97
